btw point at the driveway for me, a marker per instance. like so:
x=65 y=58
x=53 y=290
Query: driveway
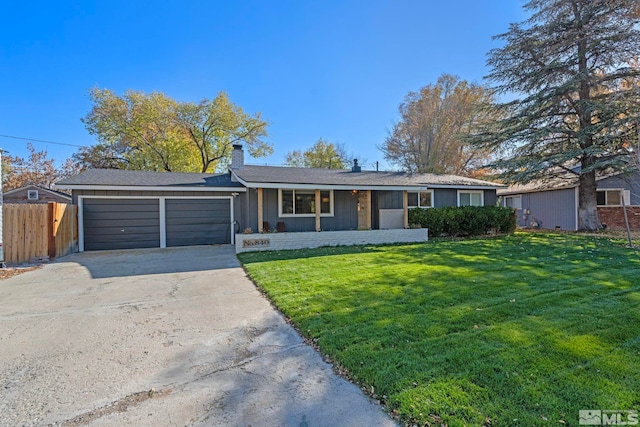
x=160 y=337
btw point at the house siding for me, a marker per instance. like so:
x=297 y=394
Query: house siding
x=345 y=213
x=445 y=197
x=549 y=209
x=22 y=196
x=629 y=182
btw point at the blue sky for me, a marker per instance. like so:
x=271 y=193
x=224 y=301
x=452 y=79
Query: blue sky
x=331 y=69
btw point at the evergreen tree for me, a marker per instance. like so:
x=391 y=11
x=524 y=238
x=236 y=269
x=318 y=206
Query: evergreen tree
x=567 y=66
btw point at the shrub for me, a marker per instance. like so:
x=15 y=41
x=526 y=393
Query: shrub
x=464 y=220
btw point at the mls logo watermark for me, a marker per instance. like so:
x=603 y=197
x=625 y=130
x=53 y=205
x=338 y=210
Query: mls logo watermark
x=597 y=417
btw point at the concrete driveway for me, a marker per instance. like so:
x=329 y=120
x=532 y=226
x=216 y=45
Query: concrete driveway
x=160 y=337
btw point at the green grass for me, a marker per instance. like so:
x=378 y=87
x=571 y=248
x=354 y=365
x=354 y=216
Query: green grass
x=518 y=330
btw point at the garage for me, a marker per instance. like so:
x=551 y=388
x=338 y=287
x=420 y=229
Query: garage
x=154 y=222
x=198 y=222
x=120 y=224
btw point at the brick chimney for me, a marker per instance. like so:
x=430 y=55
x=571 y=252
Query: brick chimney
x=237 y=157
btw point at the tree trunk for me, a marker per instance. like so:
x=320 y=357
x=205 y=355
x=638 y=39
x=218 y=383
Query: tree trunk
x=587 y=203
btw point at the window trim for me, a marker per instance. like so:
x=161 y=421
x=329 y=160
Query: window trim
x=33 y=195
x=418 y=193
x=606 y=197
x=295 y=215
x=481 y=192
x=513 y=197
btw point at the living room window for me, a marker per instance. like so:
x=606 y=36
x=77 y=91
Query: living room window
x=303 y=202
x=470 y=198
x=514 y=202
x=609 y=197
x=420 y=199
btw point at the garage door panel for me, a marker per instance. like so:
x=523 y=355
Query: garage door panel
x=109 y=215
x=198 y=222
x=110 y=222
x=121 y=224
x=118 y=230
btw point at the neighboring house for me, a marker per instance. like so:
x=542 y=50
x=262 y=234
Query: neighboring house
x=134 y=209
x=35 y=194
x=554 y=204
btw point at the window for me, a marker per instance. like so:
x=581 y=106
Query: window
x=32 y=194
x=514 y=202
x=470 y=198
x=609 y=197
x=303 y=203
x=420 y=199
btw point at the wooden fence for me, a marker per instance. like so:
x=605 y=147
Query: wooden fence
x=38 y=231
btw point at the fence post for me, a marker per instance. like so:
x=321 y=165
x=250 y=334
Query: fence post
x=51 y=228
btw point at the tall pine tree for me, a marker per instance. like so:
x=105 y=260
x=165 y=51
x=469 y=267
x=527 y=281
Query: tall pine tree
x=567 y=66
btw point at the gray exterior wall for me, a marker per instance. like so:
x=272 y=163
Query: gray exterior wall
x=445 y=197
x=345 y=213
x=549 y=209
x=627 y=182
x=490 y=198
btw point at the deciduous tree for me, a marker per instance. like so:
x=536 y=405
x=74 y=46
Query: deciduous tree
x=322 y=154
x=154 y=132
x=430 y=135
x=214 y=126
x=37 y=169
x=566 y=66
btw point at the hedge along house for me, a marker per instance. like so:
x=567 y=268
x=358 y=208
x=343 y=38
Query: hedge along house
x=128 y=209
x=554 y=204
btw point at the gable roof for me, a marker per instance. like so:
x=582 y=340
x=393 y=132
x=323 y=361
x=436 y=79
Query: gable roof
x=113 y=178
x=560 y=181
x=280 y=177
x=267 y=177
x=39 y=188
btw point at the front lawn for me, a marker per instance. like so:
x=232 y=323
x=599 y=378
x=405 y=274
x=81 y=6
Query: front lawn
x=519 y=330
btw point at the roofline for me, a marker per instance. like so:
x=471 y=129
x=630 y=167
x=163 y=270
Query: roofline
x=507 y=192
x=253 y=184
x=54 y=192
x=147 y=188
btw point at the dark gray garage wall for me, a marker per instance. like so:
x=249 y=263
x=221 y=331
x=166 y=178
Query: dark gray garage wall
x=121 y=224
x=197 y=222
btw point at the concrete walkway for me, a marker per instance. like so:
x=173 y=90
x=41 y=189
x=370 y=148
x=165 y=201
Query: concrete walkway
x=169 y=337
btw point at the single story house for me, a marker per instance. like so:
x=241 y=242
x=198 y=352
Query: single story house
x=120 y=209
x=35 y=194
x=553 y=204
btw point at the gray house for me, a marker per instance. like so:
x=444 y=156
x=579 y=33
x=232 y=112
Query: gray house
x=132 y=209
x=553 y=204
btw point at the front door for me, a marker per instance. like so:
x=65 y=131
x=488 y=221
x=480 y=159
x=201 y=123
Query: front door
x=364 y=210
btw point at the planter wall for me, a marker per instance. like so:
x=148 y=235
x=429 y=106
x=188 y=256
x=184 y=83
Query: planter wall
x=283 y=241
